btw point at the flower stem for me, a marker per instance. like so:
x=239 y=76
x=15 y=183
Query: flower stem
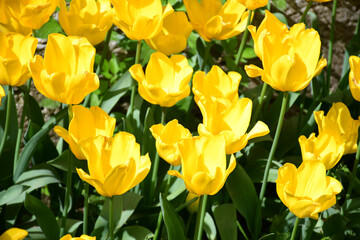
x=330 y=53
x=111 y=218
x=258 y=107
x=206 y=56
x=274 y=145
x=354 y=170
x=200 y=217
x=156 y=163
x=86 y=208
x=133 y=84
x=7 y=120
x=302 y=19
x=243 y=40
x=293 y=234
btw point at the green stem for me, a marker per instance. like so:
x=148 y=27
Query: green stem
x=261 y=101
x=133 y=84
x=111 y=218
x=200 y=217
x=306 y=11
x=156 y=163
x=331 y=43
x=206 y=56
x=274 y=145
x=22 y=120
x=67 y=196
x=354 y=170
x=86 y=208
x=243 y=40
x=242 y=230
x=293 y=234
x=7 y=120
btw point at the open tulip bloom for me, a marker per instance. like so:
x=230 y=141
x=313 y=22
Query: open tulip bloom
x=354 y=77
x=253 y=4
x=14 y=234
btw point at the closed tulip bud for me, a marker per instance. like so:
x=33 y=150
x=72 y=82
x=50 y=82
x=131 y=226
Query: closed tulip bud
x=338 y=121
x=167 y=138
x=16 y=51
x=354 y=77
x=253 y=4
x=82 y=237
x=115 y=164
x=212 y=20
x=174 y=34
x=216 y=84
x=203 y=162
x=193 y=207
x=231 y=122
x=2 y=93
x=306 y=191
x=165 y=81
x=140 y=19
x=32 y=14
x=66 y=72
x=14 y=234
x=90 y=19
x=326 y=148
x=289 y=62
x=86 y=123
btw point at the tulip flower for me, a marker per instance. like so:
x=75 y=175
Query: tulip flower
x=339 y=122
x=230 y=122
x=167 y=138
x=13 y=25
x=212 y=20
x=193 y=207
x=253 y=4
x=115 y=164
x=32 y=14
x=291 y=62
x=216 y=84
x=165 y=81
x=90 y=18
x=327 y=148
x=306 y=190
x=66 y=72
x=14 y=234
x=354 y=77
x=140 y=19
x=82 y=237
x=203 y=162
x=2 y=93
x=86 y=123
x=16 y=51
x=174 y=34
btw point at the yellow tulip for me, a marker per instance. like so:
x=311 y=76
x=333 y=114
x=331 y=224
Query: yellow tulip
x=327 y=148
x=354 y=77
x=167 y=138
x=338 y=121
x=212 y=20
x=270 y=26
x=14 y=234
x=193 y=207
x=140 y=19
x=82 y=237
x=291 y=61
x=115 y=164
x=90 y=18
x=2 y=93
x=16 y=51
x=86 y=123
x=230 y=122
x=174 y=34
x=306 y=190
x=203 y=162
x=216 y=84
x=166 y=81
x=253 y=4
x=13 y=25
x=66 y=72
x=32 y=13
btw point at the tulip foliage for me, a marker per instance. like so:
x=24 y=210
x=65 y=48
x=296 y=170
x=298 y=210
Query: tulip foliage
x=176 y=119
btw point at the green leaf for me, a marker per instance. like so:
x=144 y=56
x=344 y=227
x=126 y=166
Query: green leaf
x=245 y=198
x=225 y=218
x=135 y=233
x=209 y=227
x=171 y=219
x=44 y=217
x=52 y=26
x=11 y=193
x=30 y=147
x=280 y=4
x=115 y=92
x=62 y=161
